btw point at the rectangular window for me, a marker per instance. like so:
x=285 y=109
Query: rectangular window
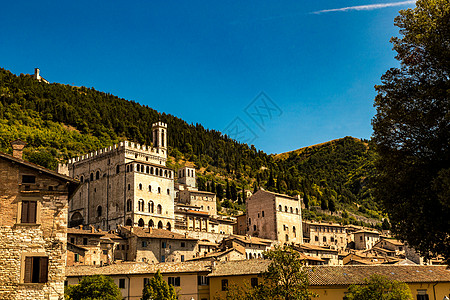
x=36 y=269
x=203 y=280
x=224 y=284
x=72 y=240
x=28 y=214
x=183 y=244
x=77 y=257
x=175 y=281
x=254 y=282
x=28 y=179
x=85 y=241
x=163 y=258
x=422 y=295
x=163 y=245
x=105 y=252
x=144 y=244
x=121 y=283
x=182 y=258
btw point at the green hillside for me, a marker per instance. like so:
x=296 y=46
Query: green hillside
x=61 y=121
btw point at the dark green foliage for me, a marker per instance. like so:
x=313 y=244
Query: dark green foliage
x=97 y=287
x=386 y=225
x=412 y=130
x=378 y=287
x=158 y=289
x=67 y=121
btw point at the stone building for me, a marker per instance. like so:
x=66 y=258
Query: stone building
x=275 y=216
x=33 y=228
x=365 y=239
x=325 y=234
x=153 y=245
x=127 y=184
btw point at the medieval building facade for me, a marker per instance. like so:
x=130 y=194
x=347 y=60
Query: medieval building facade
x=127 y=184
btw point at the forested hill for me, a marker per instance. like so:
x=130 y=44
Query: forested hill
x=60 y=121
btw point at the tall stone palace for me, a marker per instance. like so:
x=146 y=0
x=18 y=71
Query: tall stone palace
x=125 y=184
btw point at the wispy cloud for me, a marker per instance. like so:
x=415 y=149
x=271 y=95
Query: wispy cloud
x=365 y=7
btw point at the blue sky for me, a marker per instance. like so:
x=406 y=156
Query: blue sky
x=206 y=61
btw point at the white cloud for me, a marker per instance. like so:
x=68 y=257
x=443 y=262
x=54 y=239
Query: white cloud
x=366 y=7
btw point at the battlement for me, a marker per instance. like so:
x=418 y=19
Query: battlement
x=125 y=145
x=159 y=124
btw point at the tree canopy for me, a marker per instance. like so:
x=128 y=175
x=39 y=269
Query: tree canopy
x=412 y=130
x=158 y=289
x=378 y=287
x=97 y=287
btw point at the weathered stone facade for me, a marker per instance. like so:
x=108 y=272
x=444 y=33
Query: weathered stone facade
x=325 y=234
x=33 y=225
x=127 y=184
x=275 y=216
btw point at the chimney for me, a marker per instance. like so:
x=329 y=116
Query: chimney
x=17 y=147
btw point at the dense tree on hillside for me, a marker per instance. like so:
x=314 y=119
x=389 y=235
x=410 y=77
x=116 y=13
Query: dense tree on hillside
x=412 y=130
x=66 y=121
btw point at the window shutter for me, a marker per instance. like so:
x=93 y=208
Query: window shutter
x=32 y=211
x=43 y=269
x=28 y=269
x=177 y=281
x=24 y=217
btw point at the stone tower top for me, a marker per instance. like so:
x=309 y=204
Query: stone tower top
x=159 y=130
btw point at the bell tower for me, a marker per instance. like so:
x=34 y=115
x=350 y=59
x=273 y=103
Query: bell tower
x=159 y=130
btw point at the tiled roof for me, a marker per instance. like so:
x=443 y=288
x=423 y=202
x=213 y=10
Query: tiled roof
x=367 y=231
x=276 y=194
x=128 y=268
x=240 y=267
x=155 y=233
x=345 y=275
x=342 y=275
x=393 y=241
x=324 y=224
x=250 y=240
x=86 y=232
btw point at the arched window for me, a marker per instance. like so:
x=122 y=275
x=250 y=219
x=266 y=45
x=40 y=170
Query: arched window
x=159 y=209
x=165 y=173
x=97 y=175
x=147 y=170
x=160 y=225
x=160 y=172
x=156 y=171
x=151 y=224
x=263 y=214
x=287 y=238
x=168 y=226
x=293 y=230
x=99 y=211
x=129 y=186
x=117 y=169
x=129 y=222
x=141 y=223
x=92 y=177
x=170 y=174
x=151 y=170
x=285 y=209
x=159 y=190
x=296 y=211
x=316 y=238
x=128 y=168
x=280 y=208
x=81 y=178
x=324 y=239
x=292 y=211
x=249 y=221
x=149 y=188
x=168 y=191
x=188 y=171
x=151 y=207
x=140 y=186
x=141 y=205
x=129 y=205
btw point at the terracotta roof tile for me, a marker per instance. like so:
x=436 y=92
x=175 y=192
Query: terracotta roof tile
x=138 y=268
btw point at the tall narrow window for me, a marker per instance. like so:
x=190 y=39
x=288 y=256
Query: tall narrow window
x=97 y=175
x=159 y=209
x=28 y=214
x=224 y=284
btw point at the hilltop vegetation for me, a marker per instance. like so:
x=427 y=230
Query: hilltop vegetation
x=60 y=121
